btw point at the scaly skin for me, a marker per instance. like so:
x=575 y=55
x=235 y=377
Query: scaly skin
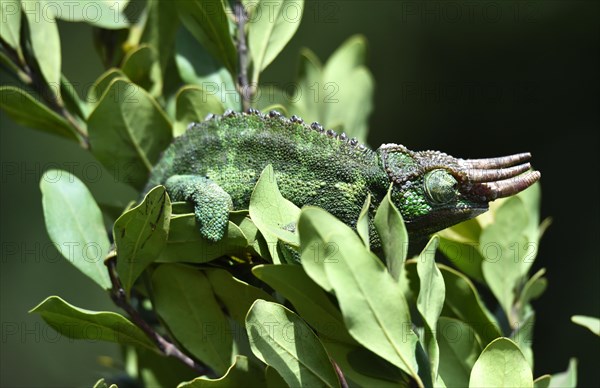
x=216 y=164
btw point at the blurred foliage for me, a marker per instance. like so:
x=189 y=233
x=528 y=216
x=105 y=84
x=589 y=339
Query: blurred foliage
x=265 y=306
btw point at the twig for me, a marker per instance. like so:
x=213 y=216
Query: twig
x=167 y=348
x=343 y=382
x=242 y=82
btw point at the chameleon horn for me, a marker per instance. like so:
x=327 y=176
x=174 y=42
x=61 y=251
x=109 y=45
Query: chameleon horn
x=483 y=175
x=502 y=161
x=506 y=187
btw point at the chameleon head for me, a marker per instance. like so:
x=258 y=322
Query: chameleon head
x=434 y=190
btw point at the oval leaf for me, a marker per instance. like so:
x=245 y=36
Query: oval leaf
x=26 y=110
x=10 y=28
x=128 y=131
x=74 y=223
x=359 y=279
x=501 y=364
x=208 y=22
x=105 y=14
x=459 y=350
x=282 y=340
x=591 y=323
x=140 y=234
x=193 y=105
x=394 y=238
x=242 y=373
x=78 y=323
x=270 y=28
x=45 y=41
x=185 y=301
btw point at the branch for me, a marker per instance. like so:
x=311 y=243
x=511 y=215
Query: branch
x=167 y=348
x=338 y=371
x=242 y=82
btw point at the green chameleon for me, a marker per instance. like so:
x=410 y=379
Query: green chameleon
x=216 y=163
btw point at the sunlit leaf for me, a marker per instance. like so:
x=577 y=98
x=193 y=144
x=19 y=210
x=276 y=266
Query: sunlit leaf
x=128 y=131
x=74 y=224
x=140 y=234
x=359 y=279
x=10 y=28
x=394 y=238
x=309 y=300
x=270 y=28
x=26 y=110
x=430 y=300
x=591 y=323
x=45 y=42
x=566 y=379
x=459 y=350
x=282 y=340
x=501 y=364
x=273 y=214
x=78 y=323
x=105 y=14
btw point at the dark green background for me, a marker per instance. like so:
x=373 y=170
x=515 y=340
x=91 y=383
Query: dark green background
x=473 y=79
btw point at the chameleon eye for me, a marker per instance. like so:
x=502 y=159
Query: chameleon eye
x=440 y=186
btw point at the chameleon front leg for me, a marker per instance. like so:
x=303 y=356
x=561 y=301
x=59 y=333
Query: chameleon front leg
x=211 y=203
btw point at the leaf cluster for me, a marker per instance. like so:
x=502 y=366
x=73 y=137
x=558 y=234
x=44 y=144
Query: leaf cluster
x=290 y=296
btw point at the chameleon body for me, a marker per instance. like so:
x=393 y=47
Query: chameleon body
x=217 y=162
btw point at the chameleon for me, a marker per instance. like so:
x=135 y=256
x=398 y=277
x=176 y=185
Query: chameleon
x=216 y=163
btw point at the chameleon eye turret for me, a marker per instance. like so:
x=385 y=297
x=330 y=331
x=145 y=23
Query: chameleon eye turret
x=440 y=186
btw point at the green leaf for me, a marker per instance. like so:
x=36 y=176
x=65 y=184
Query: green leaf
x=103 y=14
x=208 y=22
x=394 y=238
x=504 y=246
x=565 y=379
x=359 y=279
x=237 y=296
x=102 y=384
x=459 y=350
x=362 y=224
x=142 y=67
x=430 y=300
x=74 y=224
x=354 y=367
x=158 y=370
x=273 y=378
x=272 y=214
x=185 y=243
x=279 y=338
x=460 y=244
x=501 y=364
x=185 y=301
x=463 y=301
x=45 y=41
x=72 y=101
x=271 y=26
x=542 y=381
x=591 y=323
x=128 y=131
x=242 y=373
x=197 y=67
x=534 y=288
x=10 y=28
x=193 y=105
x=78 y=323
x=522 y=335
x=340 y=94
x=309 y=300
x=160 y=30
x=102 y=83
x=26 y=110
x=140 y=234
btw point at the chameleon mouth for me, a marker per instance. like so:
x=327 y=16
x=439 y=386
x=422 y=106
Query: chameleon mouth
x=499 y=177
